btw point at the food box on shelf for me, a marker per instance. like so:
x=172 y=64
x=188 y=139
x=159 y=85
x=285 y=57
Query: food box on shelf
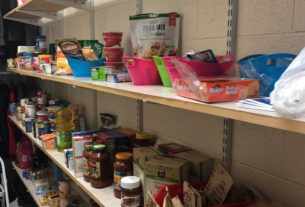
x=200 y=165
x=218 y=89
x=170 y=149
x=78 y=143
x=161 y=171
x=140 y=156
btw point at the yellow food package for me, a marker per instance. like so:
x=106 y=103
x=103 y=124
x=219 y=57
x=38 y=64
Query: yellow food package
x=62 y=65
x=66 y=120
x=89 y=54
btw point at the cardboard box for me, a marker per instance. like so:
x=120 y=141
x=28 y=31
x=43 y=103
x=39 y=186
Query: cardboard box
x=140 y=156
x=78 y=143
x=163 y=171
x=200 y=165
x=170 y=149
x=218 y=89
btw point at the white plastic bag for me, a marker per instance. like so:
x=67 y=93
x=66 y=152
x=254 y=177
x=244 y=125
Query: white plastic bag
x=288 y=96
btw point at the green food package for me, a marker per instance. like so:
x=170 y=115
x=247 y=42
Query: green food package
x=64 y=140
x=95 y=73
x=93 y=44
x=65 y=120
x=102 y=74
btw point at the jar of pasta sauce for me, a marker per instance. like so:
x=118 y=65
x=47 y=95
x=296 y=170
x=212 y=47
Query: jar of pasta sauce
x=131 y=191
x=122 y=167
x=99 y=162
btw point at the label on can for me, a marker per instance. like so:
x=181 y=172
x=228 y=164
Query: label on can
x=117 y=176
x=31 y=110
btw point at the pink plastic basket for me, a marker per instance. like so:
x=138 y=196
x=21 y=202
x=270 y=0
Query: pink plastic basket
x=224 y=63
x=142 y=71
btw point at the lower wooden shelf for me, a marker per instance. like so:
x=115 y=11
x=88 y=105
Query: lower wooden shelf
x=104 y=196
x=28 y=184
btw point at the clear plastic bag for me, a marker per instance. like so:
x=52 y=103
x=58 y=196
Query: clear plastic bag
x=288 y=96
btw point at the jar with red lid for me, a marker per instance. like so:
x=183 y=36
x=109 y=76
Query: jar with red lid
x=122 y=167
x=86 y=156
x=99 y=163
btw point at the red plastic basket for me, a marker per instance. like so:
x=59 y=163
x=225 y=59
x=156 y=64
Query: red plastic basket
x=177 y=190
x=142 y=71
x=224 y=63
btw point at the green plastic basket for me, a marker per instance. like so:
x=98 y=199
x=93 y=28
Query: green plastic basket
x=162 y=71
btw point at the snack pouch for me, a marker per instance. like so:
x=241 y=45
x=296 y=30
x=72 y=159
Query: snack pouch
x=71 y=48
x=155 y=34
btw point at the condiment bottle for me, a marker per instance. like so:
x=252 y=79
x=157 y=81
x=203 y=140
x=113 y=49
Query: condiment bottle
x=121 y=167
x=131 y=191
x=100 y=167
x=86 y=156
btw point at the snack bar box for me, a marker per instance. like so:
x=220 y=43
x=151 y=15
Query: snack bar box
x=211 y=90
x=161 y=171
x=200 y=165
x=140 y=156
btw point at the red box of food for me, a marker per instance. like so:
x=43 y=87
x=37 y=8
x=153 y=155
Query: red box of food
x=211 y=90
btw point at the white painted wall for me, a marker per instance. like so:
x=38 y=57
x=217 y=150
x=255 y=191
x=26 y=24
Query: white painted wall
x=270 y=159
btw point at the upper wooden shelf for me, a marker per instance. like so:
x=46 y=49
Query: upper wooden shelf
x=33 y=11
x=166 y=96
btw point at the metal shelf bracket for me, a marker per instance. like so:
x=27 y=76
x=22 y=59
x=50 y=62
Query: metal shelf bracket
x=140 y=115
x=231 y=50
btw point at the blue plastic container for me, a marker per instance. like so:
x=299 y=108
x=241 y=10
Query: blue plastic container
x=266 y=68
x=82 y=68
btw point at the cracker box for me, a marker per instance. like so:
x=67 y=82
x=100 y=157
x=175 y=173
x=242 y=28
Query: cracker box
x=200 y=165
x=213 y=90
x=78 y=148
x=161 y=171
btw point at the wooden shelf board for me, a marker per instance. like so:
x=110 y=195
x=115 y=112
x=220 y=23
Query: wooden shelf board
x=104 y=196
x=166 y=96
x=33 y=5
x=28 y=184
x=42 y=5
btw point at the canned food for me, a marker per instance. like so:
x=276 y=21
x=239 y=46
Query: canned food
x=24 y=101
x=28 y=125
x=40 y=127
x=46 y=127
x=31 y=110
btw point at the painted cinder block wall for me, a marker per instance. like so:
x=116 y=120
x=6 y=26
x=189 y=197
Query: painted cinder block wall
x=273 y=160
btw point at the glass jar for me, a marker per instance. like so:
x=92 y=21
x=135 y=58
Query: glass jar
x=122 y=167
x=99 y=162
x=131 y=191
x=86 y=156
x=143 y=139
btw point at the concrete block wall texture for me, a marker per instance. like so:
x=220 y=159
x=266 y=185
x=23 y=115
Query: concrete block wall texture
x=270 y=159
